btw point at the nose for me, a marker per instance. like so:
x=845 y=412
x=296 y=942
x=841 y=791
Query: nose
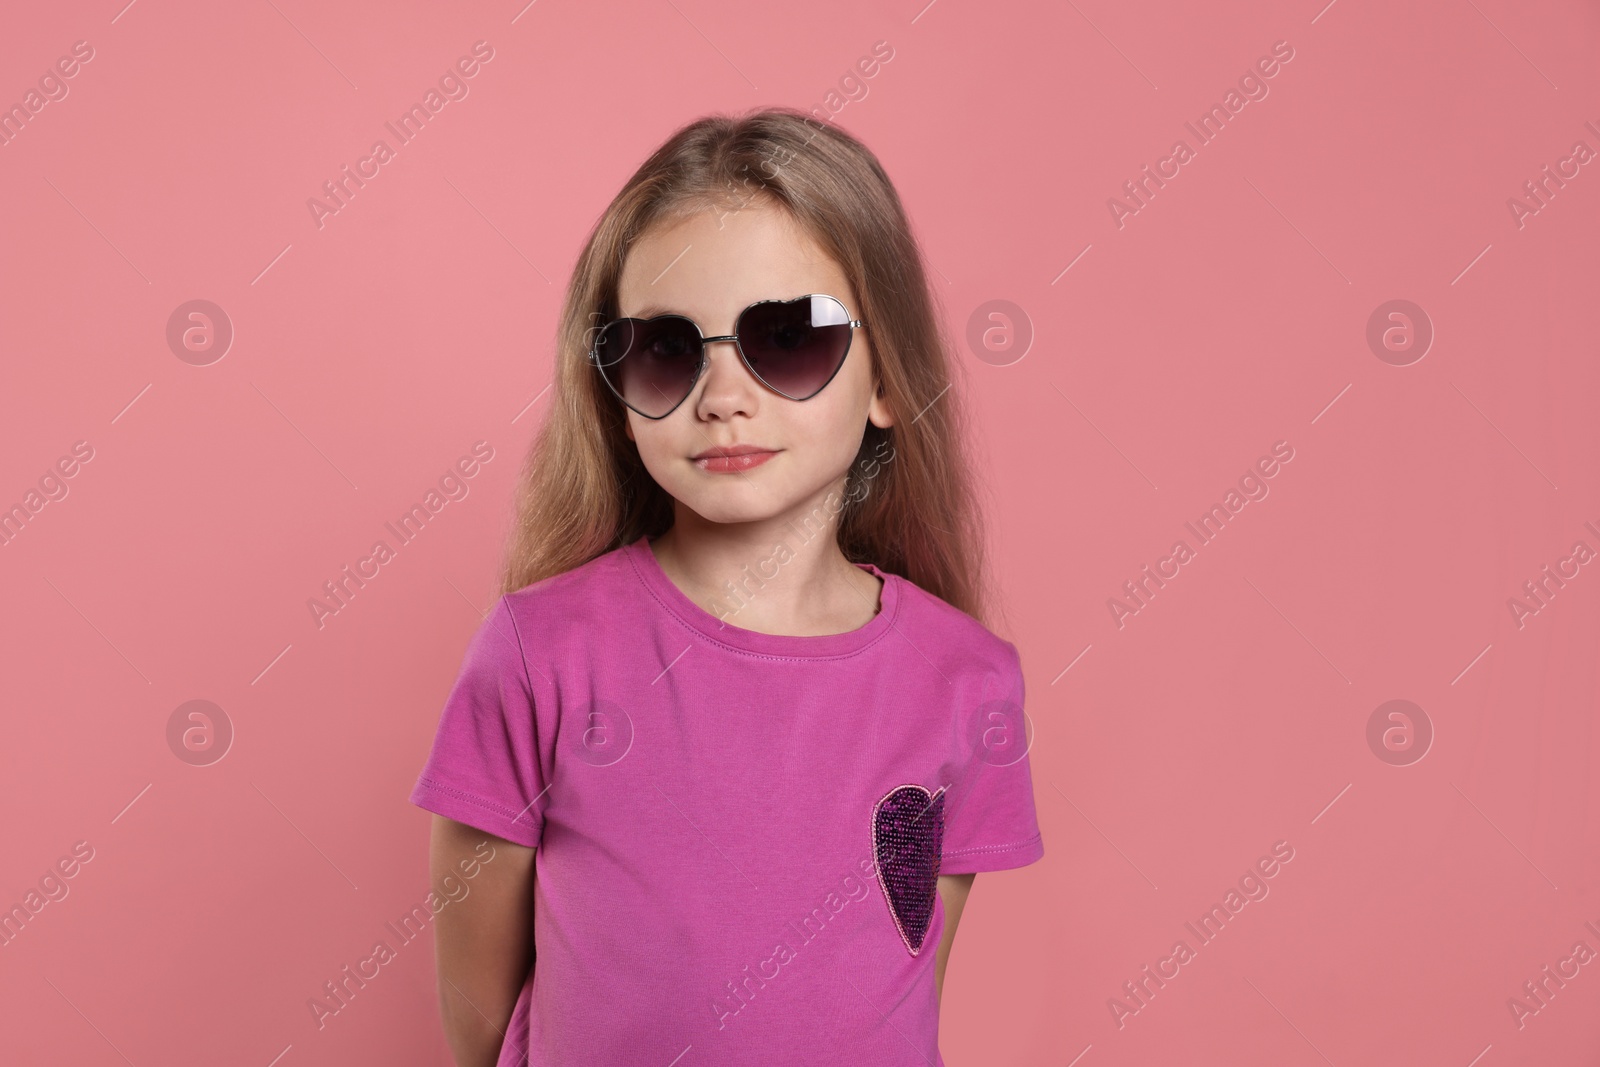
x=726 y=383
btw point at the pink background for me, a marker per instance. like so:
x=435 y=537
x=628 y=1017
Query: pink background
x=1171 y=752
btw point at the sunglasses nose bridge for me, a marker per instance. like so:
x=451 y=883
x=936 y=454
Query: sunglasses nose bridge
x=705 y=356
x=707 y=342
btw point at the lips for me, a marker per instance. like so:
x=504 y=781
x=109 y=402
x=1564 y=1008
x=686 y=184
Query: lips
x=729 y=450
x=733 y=458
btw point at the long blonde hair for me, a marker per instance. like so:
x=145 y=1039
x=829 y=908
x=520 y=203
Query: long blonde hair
x=583 y=489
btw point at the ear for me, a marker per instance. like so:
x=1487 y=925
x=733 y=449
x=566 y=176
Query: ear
x=879 y=413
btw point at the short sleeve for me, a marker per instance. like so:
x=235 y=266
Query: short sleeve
x=990 y=820
x=485 y=768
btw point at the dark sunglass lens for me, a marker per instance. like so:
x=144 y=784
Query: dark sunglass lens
x=796 y=346
x=650 y=363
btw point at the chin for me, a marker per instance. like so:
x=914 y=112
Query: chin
x=716 y=507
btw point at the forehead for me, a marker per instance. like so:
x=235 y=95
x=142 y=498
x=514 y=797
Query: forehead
x=714 y=263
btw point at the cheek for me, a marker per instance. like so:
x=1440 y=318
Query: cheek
x=825 y=433
x=838 y=425
x=843 y=404
x=655 y=442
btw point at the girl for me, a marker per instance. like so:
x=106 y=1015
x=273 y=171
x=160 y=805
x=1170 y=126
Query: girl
x=735 y=729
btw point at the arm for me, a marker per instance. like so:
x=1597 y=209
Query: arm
x=953 y=890
x=483 y=942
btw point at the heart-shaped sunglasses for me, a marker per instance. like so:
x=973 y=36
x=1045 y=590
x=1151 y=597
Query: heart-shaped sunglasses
x=793 y=347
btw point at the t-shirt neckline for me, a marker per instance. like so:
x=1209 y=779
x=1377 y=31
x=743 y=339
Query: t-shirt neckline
x=676 y=601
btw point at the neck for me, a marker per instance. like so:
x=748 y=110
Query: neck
x=786 y=578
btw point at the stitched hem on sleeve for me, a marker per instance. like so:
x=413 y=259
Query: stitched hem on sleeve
x=993 y=857
x=479 y=812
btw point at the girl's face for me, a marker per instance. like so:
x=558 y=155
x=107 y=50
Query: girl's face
x=709 y=270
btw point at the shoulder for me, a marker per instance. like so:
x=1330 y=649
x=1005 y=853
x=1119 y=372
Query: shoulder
x=592 y=593
x=959 y=638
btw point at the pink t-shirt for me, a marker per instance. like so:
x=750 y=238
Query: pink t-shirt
x=738 y=833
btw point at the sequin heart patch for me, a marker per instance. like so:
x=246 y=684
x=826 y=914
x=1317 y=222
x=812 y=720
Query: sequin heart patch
x=907 y=837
